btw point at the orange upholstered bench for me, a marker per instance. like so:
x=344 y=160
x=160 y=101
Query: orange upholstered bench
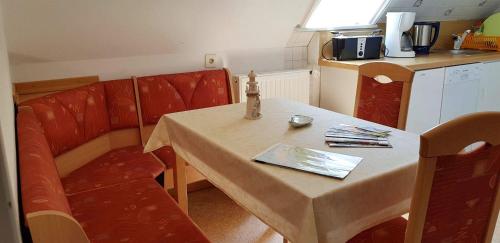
x=134 y=211
x=81 y=159
x=75 y=118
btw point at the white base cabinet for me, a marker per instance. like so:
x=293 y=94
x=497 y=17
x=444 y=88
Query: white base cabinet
x=437 y=95
x=489 y=94
x=460 y=91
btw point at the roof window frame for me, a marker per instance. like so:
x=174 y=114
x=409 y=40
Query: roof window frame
x=373 y=22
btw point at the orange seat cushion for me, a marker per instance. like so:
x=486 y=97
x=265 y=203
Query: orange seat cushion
x=138 y=211
x=116 y=166
x=392 y=231
x=166 y=155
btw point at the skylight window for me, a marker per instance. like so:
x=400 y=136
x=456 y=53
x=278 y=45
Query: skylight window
x=342 y=14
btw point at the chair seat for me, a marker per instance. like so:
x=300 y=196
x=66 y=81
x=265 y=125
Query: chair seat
x=137 y=211
x=166 y=155
x=116 y=166
x=392 y=231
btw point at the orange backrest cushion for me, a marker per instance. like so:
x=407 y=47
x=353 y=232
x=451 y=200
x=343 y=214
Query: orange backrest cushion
x=121 y=105
x=41 y=187
x=169 y=93
x=463 y=191
x=72 y=117
x=380 y=102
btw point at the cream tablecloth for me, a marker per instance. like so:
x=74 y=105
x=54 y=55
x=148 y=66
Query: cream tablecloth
x=304 y=207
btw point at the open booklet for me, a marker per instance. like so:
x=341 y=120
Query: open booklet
x=310 y=160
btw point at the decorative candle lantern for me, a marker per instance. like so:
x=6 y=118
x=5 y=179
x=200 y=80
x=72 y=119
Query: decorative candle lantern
x=253 y=98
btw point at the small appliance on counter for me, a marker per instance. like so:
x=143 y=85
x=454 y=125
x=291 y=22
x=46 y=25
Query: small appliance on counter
x=491 y=26
x=356 y=45
x=398 y=42
x=423 y=38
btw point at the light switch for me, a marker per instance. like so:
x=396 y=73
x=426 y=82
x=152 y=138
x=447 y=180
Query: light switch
x=210 y=60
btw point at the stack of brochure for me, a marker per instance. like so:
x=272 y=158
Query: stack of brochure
x=357 y=137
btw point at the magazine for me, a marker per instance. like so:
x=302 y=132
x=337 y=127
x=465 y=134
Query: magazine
x=309 y=160
x=357 y=137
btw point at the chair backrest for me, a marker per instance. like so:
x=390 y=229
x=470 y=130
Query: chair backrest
x=383 y=103
x=456 y=195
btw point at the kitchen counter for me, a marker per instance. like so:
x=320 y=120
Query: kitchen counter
x=437 y=59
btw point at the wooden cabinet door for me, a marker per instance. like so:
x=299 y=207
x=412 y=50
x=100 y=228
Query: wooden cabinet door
x=489 y=94
x=425 y=101
x=338 y=89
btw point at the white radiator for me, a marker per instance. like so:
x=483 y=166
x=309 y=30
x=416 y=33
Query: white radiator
x=293 y=85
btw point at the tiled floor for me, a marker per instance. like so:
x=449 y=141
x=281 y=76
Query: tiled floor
x=223 y=221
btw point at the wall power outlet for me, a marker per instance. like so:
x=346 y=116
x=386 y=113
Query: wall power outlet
x=211 y=61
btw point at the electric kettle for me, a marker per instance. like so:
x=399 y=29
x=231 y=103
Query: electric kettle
x=423 y=38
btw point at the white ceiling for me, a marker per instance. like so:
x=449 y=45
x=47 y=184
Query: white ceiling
x=58 y=30
x=61 y=30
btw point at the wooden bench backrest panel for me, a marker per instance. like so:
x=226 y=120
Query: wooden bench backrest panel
x=81 y=155
x=30 y=90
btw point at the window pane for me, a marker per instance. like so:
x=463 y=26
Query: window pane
x=341 y=13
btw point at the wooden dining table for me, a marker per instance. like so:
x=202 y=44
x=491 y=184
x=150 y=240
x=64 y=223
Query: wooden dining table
x=303 y=207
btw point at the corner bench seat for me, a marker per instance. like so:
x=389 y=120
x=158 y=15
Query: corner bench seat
x=114 y=167
x=137 y=211
x=133 y=210
x=107 y=192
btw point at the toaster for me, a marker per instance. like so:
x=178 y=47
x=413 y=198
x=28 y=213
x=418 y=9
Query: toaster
x=359 y=47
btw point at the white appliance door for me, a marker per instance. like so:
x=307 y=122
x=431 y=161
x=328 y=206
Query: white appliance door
x=461 y=91
x=424 y=111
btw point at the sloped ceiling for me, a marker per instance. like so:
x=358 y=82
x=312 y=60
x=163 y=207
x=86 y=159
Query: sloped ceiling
x=445 y=10
x=60 y=30
x=63 y=30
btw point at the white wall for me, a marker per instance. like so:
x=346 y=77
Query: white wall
x=313 y=57
x=9 y=221
x=65 y=30
x=118 y=38
x=239 y=61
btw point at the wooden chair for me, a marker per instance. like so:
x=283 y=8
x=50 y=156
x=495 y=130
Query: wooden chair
x=383 y=93
x=456 y=195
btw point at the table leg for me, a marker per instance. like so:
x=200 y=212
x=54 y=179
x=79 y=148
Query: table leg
x=180 y=183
